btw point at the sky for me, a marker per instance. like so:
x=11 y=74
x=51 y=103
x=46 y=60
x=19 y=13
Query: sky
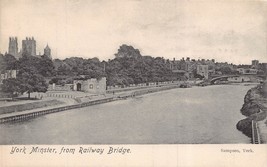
x=233 y=31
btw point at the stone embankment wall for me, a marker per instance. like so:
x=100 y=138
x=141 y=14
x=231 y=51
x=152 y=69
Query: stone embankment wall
x=153 y=90
x=253 y=109
x=28 y=106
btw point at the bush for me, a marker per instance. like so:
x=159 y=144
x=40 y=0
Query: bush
x=57 y=81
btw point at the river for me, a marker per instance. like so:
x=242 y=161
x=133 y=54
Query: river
x=198 y=115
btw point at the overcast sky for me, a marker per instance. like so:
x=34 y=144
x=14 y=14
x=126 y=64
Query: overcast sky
x=224 y=30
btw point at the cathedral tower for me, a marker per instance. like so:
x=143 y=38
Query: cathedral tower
x=13 y=46
x=29 y=46
x=47 y=51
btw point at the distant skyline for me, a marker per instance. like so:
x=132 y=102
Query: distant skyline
x=227 y=31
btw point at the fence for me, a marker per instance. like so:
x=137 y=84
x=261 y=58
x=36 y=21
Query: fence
x=60 y=95
x=111 y=89
x=66 y=87
x=255 y=133
x=152 y=90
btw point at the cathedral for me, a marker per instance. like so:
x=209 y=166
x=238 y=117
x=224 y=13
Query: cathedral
x=28 y=46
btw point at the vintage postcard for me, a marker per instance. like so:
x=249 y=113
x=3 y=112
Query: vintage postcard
x=133 y=83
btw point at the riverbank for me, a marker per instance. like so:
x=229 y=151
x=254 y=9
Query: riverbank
x=24 y=115
x=255 y=109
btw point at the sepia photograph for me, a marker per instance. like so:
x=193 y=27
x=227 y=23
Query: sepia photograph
x=132 y=72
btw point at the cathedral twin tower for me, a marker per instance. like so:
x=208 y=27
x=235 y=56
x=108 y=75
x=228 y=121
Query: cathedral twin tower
x=28 y=46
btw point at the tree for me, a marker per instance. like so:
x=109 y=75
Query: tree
x=130 y=67
x=63 y=70
x=57 y=81
x=30 y=76
x=31 y=81
x=11 y=86
x=10 y=61
x=28 y=60
x=45 y=66
x=225 y=70
x=2 y=63
x=7 y=62
x=127 y=51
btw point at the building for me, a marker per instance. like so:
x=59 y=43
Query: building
x=263 y=67
x=255 y=63
x=203 y=70
x=8 y=74
x=47 y=51
x=182 y=64
x=29 y=46
x=239 y=79
x=92 y=85
x=240 y=70
x=251 y=71
x=264 y=88
x=187 y=66
x=247 y=71
x=13 y=46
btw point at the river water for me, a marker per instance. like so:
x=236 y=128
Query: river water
x=198 y=115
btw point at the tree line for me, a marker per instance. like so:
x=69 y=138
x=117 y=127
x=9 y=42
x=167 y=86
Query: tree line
x=128 y=67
